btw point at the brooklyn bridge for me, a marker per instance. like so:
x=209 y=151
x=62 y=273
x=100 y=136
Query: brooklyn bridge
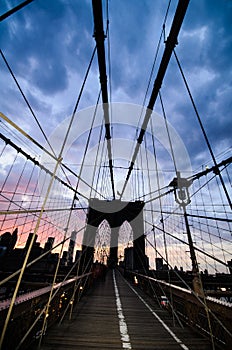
x=115 y=216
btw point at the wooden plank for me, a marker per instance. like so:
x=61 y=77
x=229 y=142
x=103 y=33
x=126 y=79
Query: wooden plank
x=95 y=323
x=145 y=331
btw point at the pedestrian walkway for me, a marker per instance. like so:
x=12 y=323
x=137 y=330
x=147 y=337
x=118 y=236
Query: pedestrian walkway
x=116 y=315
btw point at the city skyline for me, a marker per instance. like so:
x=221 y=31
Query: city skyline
x=48 y=48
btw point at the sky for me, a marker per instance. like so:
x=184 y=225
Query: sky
x=48 y=46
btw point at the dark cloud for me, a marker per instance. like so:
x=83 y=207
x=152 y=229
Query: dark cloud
x=38 y=40
x=49 y=44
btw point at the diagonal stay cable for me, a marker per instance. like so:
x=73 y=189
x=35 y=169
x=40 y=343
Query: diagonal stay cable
x=170 y=45
x=26 y=100
x=40 y=146
x=47 y=252
x=155 y=59
x=200 y=300
x=53 y=155
x=68 y=222
x=204 y=132
x=186 y=243
x=194 y=177
x=17 y=272
x=96 y=159
x=33 y=160
x=15 y=9
x=88 y=142
x=56 y=166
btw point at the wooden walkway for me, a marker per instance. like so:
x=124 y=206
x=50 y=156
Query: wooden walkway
x=113 y=316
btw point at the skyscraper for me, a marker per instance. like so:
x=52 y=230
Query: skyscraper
x=49 y=244
x=71 y=246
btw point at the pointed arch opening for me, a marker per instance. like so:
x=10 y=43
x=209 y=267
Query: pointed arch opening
x=125 y=239
x=102 y=242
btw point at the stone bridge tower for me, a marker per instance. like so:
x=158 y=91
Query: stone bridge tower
x=115 y=212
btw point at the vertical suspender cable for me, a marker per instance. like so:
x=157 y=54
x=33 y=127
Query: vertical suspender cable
x=96 y=160
x=57 y=164
x=28 y=252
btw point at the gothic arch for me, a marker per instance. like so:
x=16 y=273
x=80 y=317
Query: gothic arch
x=102 y=241
x=115 y=212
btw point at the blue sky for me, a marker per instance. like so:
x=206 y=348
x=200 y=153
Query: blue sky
x=48 y=45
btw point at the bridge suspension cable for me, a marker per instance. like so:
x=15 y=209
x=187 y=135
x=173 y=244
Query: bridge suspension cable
x=135 y=180
x=26 y=101
x=162 y=34
x=211 y=231
x=100 y=37
x=210 y=228
x=53 y=155
x=37 y=226
x=170 y=44
x=15 y=9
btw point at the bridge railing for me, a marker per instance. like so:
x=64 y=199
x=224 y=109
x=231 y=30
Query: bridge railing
x=30 y=310
x=209 y=316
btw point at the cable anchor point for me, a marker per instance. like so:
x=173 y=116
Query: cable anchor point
x=181 y=189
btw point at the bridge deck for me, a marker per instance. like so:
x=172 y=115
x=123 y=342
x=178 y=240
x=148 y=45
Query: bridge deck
x=113 y=316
